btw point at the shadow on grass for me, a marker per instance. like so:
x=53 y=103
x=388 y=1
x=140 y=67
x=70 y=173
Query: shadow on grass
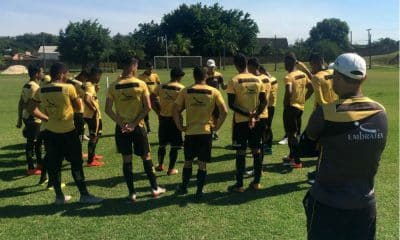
x=12 y=174
x=120 y=206
x=18 y=146
x=17 y=192
x=107 y=135
x=280 y=168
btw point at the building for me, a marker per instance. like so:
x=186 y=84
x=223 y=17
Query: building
x=48 y=53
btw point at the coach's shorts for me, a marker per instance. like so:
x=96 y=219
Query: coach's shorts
x=246 y=137
x=198 y=146
x=292 y=119
x=95 y=126
x=168 y=133
x=79 y=123
x=133 y=142
x=32 y=128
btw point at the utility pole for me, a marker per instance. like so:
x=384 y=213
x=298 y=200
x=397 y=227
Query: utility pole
x=351 y=38
x=369 y=47
x=166 y=49
x=275 y=57
x=44 y=53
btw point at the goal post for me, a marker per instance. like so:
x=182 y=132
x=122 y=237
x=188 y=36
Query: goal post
x=177 y=61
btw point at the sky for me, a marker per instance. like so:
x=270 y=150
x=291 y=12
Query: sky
x=292 y=19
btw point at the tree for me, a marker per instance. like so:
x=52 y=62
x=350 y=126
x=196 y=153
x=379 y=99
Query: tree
x=149 y=36
x=330 y=50
x=180 y=45
x=26 y=42
x=125 y=45
x=84 y=42
x=331 y=29
x=212 y=28
x=266 y=50
x=386 y=45
x=301 y=49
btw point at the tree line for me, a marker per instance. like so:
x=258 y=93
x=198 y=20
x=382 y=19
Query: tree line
x=195 y=29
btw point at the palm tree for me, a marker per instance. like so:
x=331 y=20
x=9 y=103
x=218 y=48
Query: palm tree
x=180 y=45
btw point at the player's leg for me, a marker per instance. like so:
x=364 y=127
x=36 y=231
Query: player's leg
x=142 y=149
x=30 y=145
x=74 y=156
x=242 y=133
x=175 y=139
x=189 y=153
x=255 y=143
x=124 y=142
x=162 y=141
x=204 y=153
x=94 y=125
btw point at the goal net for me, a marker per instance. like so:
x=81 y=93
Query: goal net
x=177 y=61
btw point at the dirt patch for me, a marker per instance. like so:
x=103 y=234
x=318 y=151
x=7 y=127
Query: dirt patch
x=15 y=69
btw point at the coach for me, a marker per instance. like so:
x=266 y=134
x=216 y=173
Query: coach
x=352 y=132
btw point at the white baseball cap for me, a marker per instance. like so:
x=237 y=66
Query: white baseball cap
x=210 y=63
x=351 y=65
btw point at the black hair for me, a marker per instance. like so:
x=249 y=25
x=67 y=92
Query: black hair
x=83 y=74
x=240 y=61
x=128 y=61
x=291 y=55
x=316 y=57
x=199 y=74
x=261 y=68
x=56 y=69
x=94 y=71
x=253 y=62
x=149 y=65
x=33 y=69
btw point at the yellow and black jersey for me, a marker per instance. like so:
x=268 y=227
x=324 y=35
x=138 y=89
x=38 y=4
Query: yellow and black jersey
x=298 y=80
x=322 y=85
x=199 y=100
x=214 y=79
x=273 y=94
x=152 y=80
x=56 y=101
x=352 y=133
x=27 y=93
x=127 y=94
x=267 y=87
x=167 y=94
x=80 y=90
x=303 y=67
x=247 y=89
x=90 y=90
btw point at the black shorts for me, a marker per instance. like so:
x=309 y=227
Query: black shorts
x=79 y=123
x=292 y=119
x=133 y=142
x=168 y=133
x=246 y=137
x=95 y=126
x=32 y=128
x=326 y=222
x=63 y=145
x=198 y=146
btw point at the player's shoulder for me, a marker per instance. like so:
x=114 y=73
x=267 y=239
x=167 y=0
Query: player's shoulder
x=217 y=74
x=297 y=74
x=264 y=78
x=175 y=85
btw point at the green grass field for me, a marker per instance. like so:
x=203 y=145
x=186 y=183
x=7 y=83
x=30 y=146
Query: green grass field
x=276 y=212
